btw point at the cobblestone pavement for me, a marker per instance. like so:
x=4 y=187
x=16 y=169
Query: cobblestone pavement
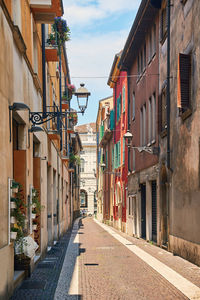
x=108 y=270
x=43 y=281
x=90 y=263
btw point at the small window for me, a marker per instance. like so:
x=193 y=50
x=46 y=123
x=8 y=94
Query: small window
x=184 y=81
x=163 y=110
x=133 y=106
x=143 y=126
x=124 y=98
x=163 y=24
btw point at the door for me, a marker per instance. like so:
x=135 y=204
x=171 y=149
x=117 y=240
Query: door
x=154 y=211
x=143 y=211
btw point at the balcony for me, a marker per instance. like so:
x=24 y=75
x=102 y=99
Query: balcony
x=45 y=11
x=64 y=156
x=65 y=102
x=51 y=53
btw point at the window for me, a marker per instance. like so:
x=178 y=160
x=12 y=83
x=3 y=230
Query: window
x=143 y=125
x=133 y=106
x=131 y=205
x=145 y=56
x=184 y=82
x=152 y=119
x=154 y=39
x=163 y=24
x=124 y=98
x=129 y=159
x=118 y=107
x=150 y=45
x=163 y=109
x=133 y=156
x=141 y=61
x=123 y=150
x=82 y=165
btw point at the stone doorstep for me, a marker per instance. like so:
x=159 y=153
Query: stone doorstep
x=19 y=276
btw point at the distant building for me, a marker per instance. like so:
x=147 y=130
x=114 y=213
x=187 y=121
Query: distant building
x=87 y=133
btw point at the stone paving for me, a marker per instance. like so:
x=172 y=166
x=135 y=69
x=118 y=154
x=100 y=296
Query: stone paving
x=89 y=263
x=43 y=281
x=108 y=270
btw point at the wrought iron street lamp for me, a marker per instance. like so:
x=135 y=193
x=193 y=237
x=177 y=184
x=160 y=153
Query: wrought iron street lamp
x=151 y=150
x=82 y=95
x=52 y=112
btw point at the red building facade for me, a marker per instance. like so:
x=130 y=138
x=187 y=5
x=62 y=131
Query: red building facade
x=118 y=81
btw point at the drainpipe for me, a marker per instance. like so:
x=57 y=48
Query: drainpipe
x=43 y=71
x=115 y=114
x=168 y=84
x=60 y=88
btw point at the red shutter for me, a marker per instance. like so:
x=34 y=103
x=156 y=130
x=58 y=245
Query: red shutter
x=185 y=72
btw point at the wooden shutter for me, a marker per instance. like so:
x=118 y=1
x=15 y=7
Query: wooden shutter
x=184 y=79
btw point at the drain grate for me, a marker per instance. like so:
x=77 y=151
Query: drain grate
x=33 y=285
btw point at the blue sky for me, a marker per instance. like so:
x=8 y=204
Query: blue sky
x=99 y=30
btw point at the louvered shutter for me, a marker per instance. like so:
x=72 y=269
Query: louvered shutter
x=185 y=71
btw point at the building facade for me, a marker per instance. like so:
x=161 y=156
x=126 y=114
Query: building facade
x=87 y=133
x=118 y=82
x=33 y=78
x=104 y=180
x=142 y=59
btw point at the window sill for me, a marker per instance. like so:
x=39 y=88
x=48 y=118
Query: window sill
x=184 y=114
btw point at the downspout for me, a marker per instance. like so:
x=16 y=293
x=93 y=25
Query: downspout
x=43 y=71
x=60 y=88
x=129 y=121
x=168 y=84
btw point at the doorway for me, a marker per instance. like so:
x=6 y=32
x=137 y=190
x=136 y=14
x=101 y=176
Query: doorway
x=154 y=210
x=143 y=211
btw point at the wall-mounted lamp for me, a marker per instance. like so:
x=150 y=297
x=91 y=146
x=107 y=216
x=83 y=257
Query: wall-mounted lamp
x=82 y=95
x=151 y=150
x=102 y=165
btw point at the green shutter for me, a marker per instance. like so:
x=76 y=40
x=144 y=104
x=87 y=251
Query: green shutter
x=123 y=151
x=119 y=163
x=124 y=96
x=113 y=158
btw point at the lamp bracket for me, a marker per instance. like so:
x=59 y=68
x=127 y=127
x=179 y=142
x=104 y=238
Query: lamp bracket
x=150 y=150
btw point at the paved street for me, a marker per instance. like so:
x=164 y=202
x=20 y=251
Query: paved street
x=112 y=265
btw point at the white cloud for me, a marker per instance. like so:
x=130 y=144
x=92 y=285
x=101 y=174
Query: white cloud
x=85 y=12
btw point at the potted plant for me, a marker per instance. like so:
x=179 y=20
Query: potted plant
x=36 y=205
x=34 y=213
x=34 y=225
x=12 y=218
x=13 y=233
x=14 y=187
x=60 y=33
x=13 y=203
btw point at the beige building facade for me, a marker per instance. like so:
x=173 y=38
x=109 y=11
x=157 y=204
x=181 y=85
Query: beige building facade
x=36 y=159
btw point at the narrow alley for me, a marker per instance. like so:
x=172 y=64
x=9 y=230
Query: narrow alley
x=97 y=262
